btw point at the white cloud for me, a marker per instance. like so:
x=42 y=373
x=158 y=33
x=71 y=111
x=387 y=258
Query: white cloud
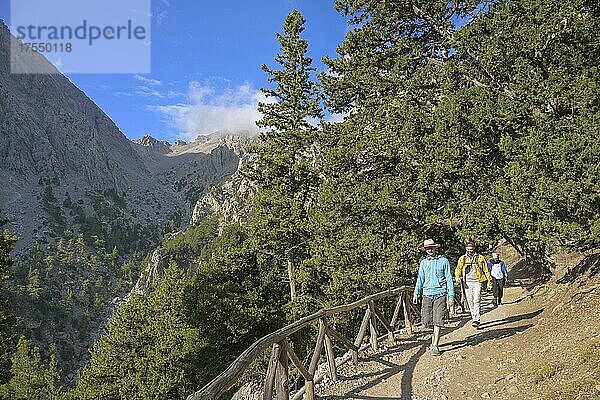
x=151 y=88
x=148 y=81
x=206 y=111
x=335 y=118
x=148 y=92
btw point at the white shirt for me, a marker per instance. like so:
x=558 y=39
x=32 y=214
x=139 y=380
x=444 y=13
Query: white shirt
x=497 y=271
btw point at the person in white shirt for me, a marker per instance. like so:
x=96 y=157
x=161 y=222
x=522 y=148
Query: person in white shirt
x=499 y=277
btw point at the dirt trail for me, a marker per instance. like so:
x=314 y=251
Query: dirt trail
x=527 y=348
x=461 y=346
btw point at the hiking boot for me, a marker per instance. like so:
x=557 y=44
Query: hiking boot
x=476 y=324
x=495 y=302
x=435 y=351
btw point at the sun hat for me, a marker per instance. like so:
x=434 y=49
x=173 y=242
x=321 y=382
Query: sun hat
x=430 y=243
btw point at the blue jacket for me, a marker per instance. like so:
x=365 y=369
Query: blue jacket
x=502 y=266
x=435 y=278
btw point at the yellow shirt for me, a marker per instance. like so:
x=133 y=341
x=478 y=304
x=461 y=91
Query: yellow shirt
x=480 y=264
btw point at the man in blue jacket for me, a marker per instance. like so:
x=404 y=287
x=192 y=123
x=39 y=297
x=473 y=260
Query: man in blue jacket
x=435 y=280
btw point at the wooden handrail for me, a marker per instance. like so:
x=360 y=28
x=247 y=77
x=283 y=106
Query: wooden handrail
x=278 y=340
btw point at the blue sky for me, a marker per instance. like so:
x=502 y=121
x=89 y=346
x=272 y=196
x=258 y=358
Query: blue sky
x=205 y=65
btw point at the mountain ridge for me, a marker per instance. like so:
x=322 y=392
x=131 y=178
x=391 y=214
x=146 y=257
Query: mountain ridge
x=59 y=147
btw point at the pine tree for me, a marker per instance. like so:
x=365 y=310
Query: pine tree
x=406 y=155
x=32 y=378
x=146 y=349
x=543 y=55
x=463 y=119
x=7 y=319
x=285 y=156
x=233 y=301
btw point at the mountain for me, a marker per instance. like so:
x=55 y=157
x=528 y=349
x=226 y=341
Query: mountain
x=65 y=165
x=74 y=188
x=229 y=201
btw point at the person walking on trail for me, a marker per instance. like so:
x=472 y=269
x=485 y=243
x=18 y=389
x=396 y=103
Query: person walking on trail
x=499 y=277
x=472 y=273
x=435 y=280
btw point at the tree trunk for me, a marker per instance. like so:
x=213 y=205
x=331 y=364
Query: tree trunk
x=292 y=276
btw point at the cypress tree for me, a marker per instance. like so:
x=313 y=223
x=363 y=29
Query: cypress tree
x=7 y=319
x=284 y=166
x=406 y=153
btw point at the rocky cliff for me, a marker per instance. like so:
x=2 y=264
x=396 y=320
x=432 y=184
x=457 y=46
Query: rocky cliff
x=64 y=164
x=230 y=201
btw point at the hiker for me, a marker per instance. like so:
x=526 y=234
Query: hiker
x=499 y=277
x=472 y=272
x=435 y=279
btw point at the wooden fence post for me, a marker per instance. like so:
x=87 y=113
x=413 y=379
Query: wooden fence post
x=282 y=381
x=396 y=314
x=361 y=334
x=309 y=387
x=330 y=355
x=407 y=322
x=309 y=390
x=277 y=377
x=272 y=368
x=373 y=326
x=318 y=347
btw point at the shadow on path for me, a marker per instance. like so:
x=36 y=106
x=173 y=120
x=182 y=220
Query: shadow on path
x=511 y=319
x=481 y=337
x=392 y=368
x=529 y=275
x=421 y=342
x=485 y=334
x=407 y=378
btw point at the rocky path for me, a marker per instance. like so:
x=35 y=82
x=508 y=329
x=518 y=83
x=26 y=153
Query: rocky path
x=542 y=343
x=407 y=370
x=470 y=355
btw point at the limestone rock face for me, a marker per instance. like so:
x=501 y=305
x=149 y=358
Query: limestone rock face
x=154 y=270
x=232 y=199
x=65 y=165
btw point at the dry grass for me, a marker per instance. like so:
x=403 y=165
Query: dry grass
x=542 y=372
x=580 y=389
x=590 y=355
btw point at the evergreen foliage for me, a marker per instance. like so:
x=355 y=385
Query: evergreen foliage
x=233 y=301
x=7 y=319
x=451 y=130
x=146 y=351
x=185 y=245
x=62 y=291
x=400 y=164
x=461 y=119
x=32 y=378
x=284 y=165
x=542 y=62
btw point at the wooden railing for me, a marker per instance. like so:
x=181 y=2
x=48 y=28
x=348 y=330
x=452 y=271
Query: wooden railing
x=277 y=377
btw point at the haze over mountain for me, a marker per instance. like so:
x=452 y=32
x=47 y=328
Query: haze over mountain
x=65 y=165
